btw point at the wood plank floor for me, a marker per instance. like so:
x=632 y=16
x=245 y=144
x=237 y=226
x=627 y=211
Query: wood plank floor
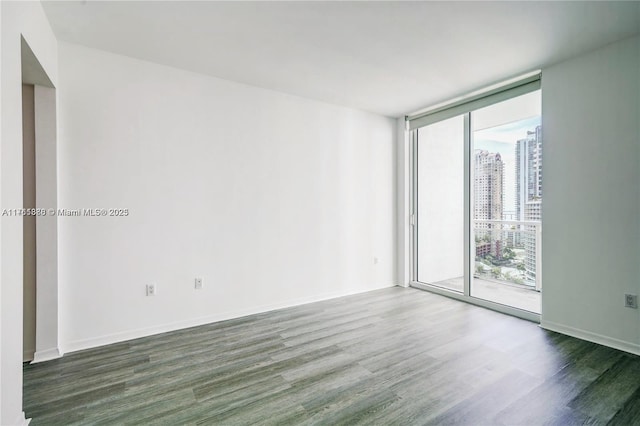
x=393 y=356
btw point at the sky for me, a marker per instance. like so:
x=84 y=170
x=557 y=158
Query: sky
x=502 y=139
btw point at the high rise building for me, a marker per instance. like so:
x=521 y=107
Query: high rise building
x=528 y=171
x=532 y=212
x=488 y=190
x=529 y=195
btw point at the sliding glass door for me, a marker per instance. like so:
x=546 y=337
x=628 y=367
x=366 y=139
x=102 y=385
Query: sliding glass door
x=440 y=199
x=477 y=197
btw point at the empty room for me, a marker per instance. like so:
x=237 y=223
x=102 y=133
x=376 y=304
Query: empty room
x=319 y=212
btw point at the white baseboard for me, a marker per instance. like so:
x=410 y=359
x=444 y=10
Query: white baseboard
x=78 y=345
x=589 y=336
x=46 y=355
x=21 y=420
x=27 y=355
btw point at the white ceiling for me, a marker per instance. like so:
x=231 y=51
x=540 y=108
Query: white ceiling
x=390 y=58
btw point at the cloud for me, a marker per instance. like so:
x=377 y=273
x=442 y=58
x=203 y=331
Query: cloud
x=508 y=133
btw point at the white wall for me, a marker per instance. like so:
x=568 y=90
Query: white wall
x=274 y=200
x=403 y=206
x=591 y=209
x=26 y=19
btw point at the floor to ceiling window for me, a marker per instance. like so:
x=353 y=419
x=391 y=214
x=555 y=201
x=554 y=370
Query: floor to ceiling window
x=477 y=198
x=507 y=199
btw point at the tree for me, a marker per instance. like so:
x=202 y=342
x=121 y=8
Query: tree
x=508 y=253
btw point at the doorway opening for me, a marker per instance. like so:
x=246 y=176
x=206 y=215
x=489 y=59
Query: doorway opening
x=28 y=224
x=40 y=223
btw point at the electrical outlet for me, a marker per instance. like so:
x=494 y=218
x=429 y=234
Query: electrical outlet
x=151 y=289
x=198 y=284
x=631 y=301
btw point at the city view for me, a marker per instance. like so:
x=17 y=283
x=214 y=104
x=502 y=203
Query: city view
x=505 y=200
x=507 y=191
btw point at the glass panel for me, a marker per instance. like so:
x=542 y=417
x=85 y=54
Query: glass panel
x=506 y=163
x=440 y=204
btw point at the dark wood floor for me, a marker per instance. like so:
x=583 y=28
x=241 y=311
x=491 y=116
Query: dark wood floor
x=393 y=356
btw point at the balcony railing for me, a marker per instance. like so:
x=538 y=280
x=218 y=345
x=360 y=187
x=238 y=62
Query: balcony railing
x=509 y=251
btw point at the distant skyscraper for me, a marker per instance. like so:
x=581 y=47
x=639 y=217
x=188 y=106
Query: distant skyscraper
x=528 y=171
x=488 y=186
x=529 y=193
